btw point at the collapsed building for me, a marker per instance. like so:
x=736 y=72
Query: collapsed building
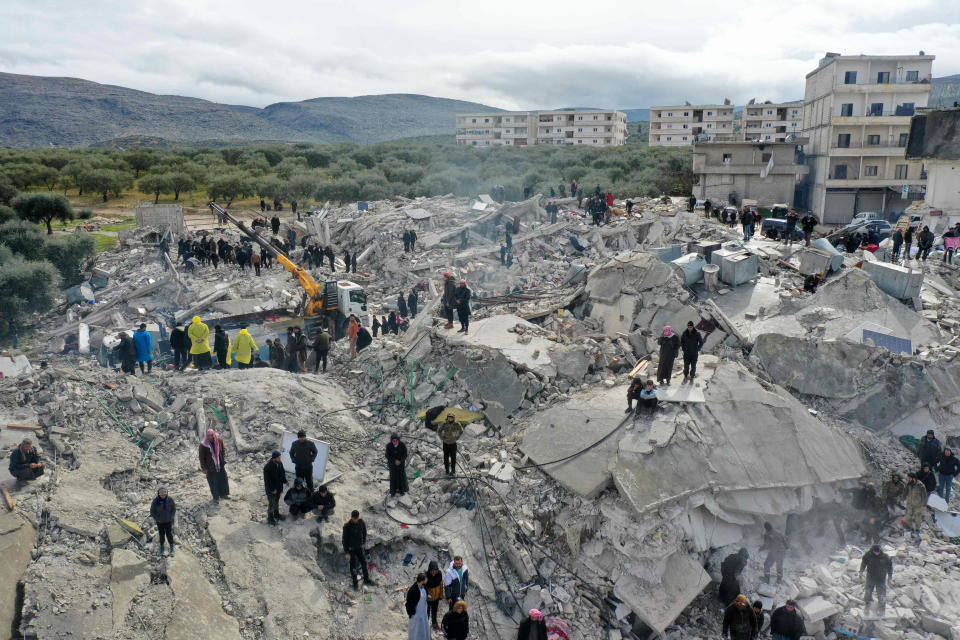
x=614 y=525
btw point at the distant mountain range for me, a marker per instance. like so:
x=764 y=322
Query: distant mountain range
x=40 y=111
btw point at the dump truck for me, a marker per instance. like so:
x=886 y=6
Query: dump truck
x=331 y=303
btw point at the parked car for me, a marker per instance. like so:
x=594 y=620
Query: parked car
x=774 y=228
x=863 y=216
x=883 y=228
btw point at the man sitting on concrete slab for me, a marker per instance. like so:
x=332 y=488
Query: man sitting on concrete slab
x=25 y=462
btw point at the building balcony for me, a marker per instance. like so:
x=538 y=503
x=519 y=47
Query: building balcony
x=884 y=119
x=873 y=181
x=750 y=169
x=894 y=86
x=856 y=149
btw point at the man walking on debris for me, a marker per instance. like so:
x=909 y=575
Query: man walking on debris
x=790 y=228
x=786 y=623
x=449 y=299
x=690 y=343
x=199 y=335
x=456 y=581
x=893 y=491
x=274 y=478
x=434 y=589
x=323 y=503
x=302 y=454
x=776 y=547
x=353 y=332
x=897 y=239
x=739 y=623
x=396 y=462
x=449 y=432
x=916 y=499
x=808 y=223
x=298 y=499
x=948 y=466
x=321 y=348
x=163 y=510
x=221 y=345
x=930 y=449
x=331 y=257
x=25 y=462
x=144 y=344
x=406 y=242
x=354 y=539
x=730 y=570
x=462 y=296
x=213 y=465
x=925 y=241
x=180 y=346
x=669 y=346
x=879 y=569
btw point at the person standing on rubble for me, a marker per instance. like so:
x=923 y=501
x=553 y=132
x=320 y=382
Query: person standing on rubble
x=449 y=432
x=808 y=223
x=925 y=241
x=462 y=296
x=412 y=303
x=739 y=623
x=730 y=570
x=353 y=262
x=301 y=349
x=401 y=304
x=893 y=491
x=790 y=228
x=127 y=351
x=346 y=261
x=376 y=326
x=669 y=346
x=213 y=463
x=25 y=464
x=276 y=353
x=449 y=299
x=879 y=569
x=786 y=623
x=221 y=345
x=353 y=330
x=533 y=627
x=418 y=627
x=456 y=623
x=434 y=589
x=178 y=342
x=330 y=257
x=948 y=467
x=690 y=344
x=244 y=347
x=916 y=499
x=290 y=352
x=199 y=335
x=354 y=539
x=691 y=202
x=163 y=510
x=321 y=349
x=406 y=242
x=302 y=453
x=396 y=455
x=897 y=239
x=907 y=242
x=930 y=449
x=144 y=344
x=255 y=261
x=746 y=221
x=776 y=547
x=413 y=241
x=760 y=615
x=926 y=477
x=456 y=581
x=274 y=479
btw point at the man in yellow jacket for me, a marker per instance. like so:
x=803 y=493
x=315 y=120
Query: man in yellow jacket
x=199 y=335
x=243 y=348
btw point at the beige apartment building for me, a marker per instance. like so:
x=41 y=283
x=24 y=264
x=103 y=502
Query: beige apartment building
x=679 y=126
x=771 y=121
x=728 y=171
x=856 y=113
x=598 y=128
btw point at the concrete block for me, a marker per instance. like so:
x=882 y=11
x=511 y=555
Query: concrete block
x=816 y=608
x=900 y=282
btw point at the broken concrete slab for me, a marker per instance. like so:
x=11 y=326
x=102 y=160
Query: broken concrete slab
x=68 y=599
x=491 y=380
x=128 y=574
x=900 y=282
x=497 y=333
x=149 y=396
x=197 y=610
x=17 y=539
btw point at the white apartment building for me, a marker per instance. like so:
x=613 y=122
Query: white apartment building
x=856 y=113
x=598 y=128
x=679 y=126
x=771 y=122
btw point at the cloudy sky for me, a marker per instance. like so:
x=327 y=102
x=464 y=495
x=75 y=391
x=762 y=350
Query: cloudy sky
x=509 y=54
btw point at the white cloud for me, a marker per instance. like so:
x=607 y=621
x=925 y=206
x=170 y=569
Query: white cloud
x=504 y=53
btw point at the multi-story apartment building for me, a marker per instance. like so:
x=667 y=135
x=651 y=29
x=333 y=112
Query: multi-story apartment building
x=771 y=122
x=523 y=128
x=856 y=113
x=679 y=126
x=732 y=170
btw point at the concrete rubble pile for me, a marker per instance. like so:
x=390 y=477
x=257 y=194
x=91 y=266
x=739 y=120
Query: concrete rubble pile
x=612 y=524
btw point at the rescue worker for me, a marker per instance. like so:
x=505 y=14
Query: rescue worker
x=163 y=510
x=739 y=623
x=244 y=347
x=144 y=343
x=180 y=346
x=412 y=302
x=274 y=478
x=354 y=538
x=776 y=547
x=324 y=504
x=449 y=432
x=301 y=349
x=298 y=499
x=321 y=349
x=302 y=453
x=916 y=499
x=25 y=464
x=690 y=344
x=879 y=568
x=199 y=335
x=396 y=461
x=893 y=491
x=221 y=345
x=669 y=346
x=276 y=354
x=786 y=623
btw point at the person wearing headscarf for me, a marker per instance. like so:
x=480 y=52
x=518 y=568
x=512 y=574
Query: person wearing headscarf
x=213 y=464
x=419 y=626
x=199 y=335
x=127 y=351
x=669 y=347
x=163 y=510
x=456 y=623
x=396 y=461
x=462 y=296
x=434 y=589
x=533 y=627
x=739 y=623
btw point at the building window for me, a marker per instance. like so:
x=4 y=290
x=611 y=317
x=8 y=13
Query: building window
x=686 y=113
x=474 y=143
x=486 y=120
x=796 y=112
x=769 y=124
x=474 y=121
x=850 y=77
x=579 y=117
x=901 y=172
x=767 y=138
x=913 y=76
x=685 y=126
x=669 y=138
x=883 y=77
x=727 y=158
x=873 y=140
x=840 y=172
x=843 y=141
x=709 y=126
x=846 y=109
x=709 y=113
x=595 y=129
x=764 y=158
x=596 y=117
x=876 y=109
x=870 y=171
x=579 y=141
x=669 y=115
x=769 y=112
x=903 y=139
x=580 y=129
x=684 y=137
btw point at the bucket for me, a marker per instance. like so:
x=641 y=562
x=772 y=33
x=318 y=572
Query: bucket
x=711 y=273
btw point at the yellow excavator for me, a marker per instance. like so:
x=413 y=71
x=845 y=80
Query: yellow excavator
x=333 y=301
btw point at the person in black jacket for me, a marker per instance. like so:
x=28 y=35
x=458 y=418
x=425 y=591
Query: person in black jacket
x=456 y=623
x=759 y=615
x=948 y=466
x=690 y=343
x=274 y=477
x=180 y=346
x=808 y=223
x=302 y=454
x=402 y=305
x=354 y=538
x=25 y=462
x=739 y=623
x=434 y=589
x=730 y=570
x=669 y=346
x=221 y=345
x=786 y=623
x=298 y=499
x=879 y=568
x=396 y=461
x=930 y=449
x=163 y=510
x=533 y=627
x=127 y=351
x=416 y=606
x=926 y=476
x=324 y=503
x=462 y=296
